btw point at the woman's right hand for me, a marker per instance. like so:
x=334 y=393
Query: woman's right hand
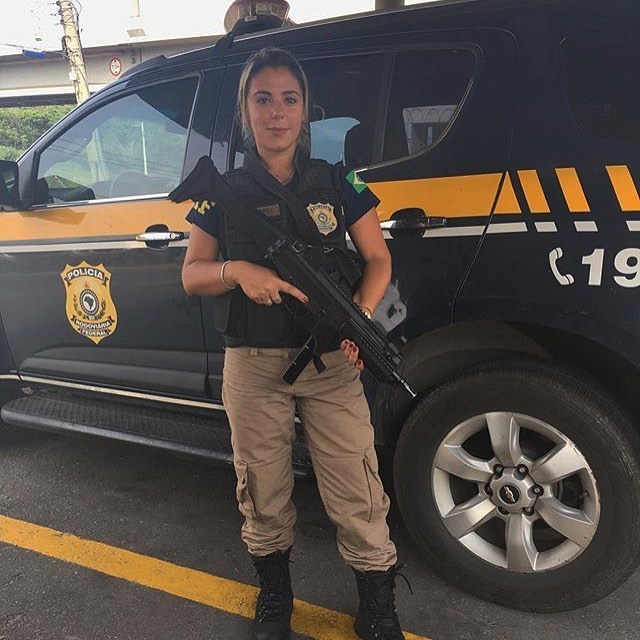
x=261 y=284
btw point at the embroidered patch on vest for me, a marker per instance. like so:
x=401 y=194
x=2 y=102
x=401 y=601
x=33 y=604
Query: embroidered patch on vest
x=324 y=217
x=354 y=180
x=202 y=205
x=270 y=210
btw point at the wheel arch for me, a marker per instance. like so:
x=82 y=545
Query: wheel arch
x=433 y=358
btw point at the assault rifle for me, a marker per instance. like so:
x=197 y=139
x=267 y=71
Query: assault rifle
x=330 y=312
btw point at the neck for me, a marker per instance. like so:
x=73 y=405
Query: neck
x=278 y=164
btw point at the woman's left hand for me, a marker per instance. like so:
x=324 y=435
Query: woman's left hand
x=351 y=352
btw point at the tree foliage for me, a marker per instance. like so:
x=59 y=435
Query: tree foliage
x=21 y=126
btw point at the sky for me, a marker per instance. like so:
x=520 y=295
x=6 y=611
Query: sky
x=35 y=23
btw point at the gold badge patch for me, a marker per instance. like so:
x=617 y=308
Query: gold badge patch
x=90 y=308
x=324 y=217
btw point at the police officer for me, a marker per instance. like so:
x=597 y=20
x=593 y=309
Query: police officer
x=261 y=338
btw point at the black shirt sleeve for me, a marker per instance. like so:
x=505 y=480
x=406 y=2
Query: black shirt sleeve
x=206 y=215
x=357 y=197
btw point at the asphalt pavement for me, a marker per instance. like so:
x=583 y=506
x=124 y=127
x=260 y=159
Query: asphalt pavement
x=183 y=512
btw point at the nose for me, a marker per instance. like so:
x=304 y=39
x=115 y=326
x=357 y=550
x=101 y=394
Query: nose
x=276 y=111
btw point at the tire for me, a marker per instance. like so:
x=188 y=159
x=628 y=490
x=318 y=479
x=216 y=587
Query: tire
x=577 y=541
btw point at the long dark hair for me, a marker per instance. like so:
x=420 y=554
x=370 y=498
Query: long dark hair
x=272 y=58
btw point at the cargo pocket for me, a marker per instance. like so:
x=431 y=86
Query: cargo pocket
x=378 y=501
x=243 y=493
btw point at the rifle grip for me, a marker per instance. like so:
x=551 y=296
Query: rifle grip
x=299 y=362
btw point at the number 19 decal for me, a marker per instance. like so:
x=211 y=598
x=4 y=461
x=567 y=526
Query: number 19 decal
x=626 y=263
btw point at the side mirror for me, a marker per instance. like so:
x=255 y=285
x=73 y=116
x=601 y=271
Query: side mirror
x=9 y=183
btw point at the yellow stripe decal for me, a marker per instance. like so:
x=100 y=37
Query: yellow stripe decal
x=450 y=197
x=93 y=220
x=625 y=189
x=533 y=191
x=572 y=190
x=508 y=202
x=227 y=595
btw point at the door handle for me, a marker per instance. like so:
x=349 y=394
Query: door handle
x=414 y=223
x=160 y=236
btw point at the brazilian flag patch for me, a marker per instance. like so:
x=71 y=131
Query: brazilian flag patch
x=354 y=180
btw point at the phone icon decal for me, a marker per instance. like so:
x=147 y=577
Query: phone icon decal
x=563 y=279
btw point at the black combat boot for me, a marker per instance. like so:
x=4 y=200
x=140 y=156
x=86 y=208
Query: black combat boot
x=275 y=600
x=377 y=618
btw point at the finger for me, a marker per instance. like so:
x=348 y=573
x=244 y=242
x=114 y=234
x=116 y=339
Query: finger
x=346 y=349
x=276 y=299
x=359 y=365
x=285 y=287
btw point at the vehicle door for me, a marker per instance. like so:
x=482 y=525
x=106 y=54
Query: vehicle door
x=90 y=290
x=440 y=152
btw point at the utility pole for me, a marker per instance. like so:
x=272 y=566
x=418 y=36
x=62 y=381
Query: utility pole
x=388 y=4
x=72 y=48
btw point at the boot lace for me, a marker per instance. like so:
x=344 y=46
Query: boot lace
x=272 y=603
x=275 y=591
x=379 y=601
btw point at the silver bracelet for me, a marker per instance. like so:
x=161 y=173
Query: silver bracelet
x=224 y=282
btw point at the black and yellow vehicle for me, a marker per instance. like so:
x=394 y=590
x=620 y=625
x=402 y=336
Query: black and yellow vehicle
x=503 y=139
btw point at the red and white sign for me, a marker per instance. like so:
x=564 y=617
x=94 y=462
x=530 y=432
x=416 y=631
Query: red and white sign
x=115 y=66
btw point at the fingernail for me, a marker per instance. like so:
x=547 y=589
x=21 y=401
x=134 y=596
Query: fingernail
x=306 y=300
x=359 y=362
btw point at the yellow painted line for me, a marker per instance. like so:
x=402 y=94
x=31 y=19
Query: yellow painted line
x=226 y=595
x=533 y=191
x=625 y=189
x=572 y=190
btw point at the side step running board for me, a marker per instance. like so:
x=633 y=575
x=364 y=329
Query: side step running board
x=182 y=433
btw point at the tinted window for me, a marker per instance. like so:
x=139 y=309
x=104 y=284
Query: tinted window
x=131 y=146
x=342 y=107
x=602 y=77
x=426 y=92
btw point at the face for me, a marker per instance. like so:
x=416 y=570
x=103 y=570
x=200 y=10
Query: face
x=275 y=110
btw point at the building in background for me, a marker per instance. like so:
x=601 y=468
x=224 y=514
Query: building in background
x=33 y=81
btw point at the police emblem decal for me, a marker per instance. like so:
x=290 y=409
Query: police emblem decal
x=324 y=217
x=90 y=308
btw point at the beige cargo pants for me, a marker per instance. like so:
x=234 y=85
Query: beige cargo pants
x=339 y=435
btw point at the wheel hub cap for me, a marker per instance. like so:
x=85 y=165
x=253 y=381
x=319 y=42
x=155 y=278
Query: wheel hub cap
x=512 y=492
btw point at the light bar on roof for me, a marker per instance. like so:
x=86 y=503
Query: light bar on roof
x=255 y=15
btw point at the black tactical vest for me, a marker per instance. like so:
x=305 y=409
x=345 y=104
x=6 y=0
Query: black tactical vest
x=242 y=321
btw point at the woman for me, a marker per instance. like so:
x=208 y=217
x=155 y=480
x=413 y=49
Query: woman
x=262 y=336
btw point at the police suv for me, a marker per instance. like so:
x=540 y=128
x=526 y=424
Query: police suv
x=503 y=139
